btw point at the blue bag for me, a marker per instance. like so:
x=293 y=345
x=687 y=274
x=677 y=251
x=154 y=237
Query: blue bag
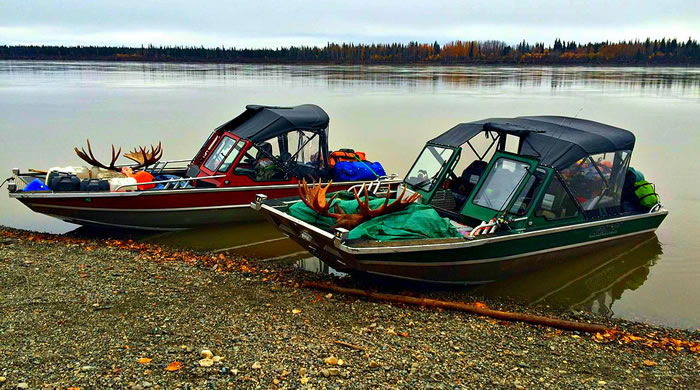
x=36 y=185
x=356 y=170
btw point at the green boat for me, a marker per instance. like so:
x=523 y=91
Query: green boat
x=552 y=188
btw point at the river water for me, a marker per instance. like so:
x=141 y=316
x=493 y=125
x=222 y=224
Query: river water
x=47 y=108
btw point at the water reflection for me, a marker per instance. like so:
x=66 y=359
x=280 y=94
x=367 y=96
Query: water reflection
x=313 y=264
x=619 y=79
x=593 y=283
x=49 y=107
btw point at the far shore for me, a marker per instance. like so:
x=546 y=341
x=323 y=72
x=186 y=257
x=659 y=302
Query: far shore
x=358 y=64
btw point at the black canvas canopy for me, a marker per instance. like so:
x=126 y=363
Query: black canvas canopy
x=556 y=140
x=260 y=123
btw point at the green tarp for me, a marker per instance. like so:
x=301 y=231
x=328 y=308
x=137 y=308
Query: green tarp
x=417 y=221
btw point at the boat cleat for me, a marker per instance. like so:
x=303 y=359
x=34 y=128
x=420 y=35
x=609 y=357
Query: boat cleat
x=259 y=199
x=341 y=234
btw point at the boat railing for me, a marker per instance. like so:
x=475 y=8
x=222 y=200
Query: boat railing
x=161 y=165
x=490 y=227
x=655 y=208
x=176 y=183
x=374 y=186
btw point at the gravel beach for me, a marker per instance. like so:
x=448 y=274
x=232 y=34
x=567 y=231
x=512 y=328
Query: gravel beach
x=100 y=314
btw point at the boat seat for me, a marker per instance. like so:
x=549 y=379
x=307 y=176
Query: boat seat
x=285 y=156
x=265 y=147
x=464 y=185
x=192 y=171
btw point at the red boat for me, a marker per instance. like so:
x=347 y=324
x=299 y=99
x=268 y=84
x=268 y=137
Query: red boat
x=264 y=150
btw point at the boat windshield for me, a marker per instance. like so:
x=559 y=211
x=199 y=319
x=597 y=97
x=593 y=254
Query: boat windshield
x=427 y=168
x=219 y=154
x=501 y=183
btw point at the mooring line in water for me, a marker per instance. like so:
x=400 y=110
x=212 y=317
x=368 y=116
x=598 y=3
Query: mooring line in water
x=466 y=307
x=249 y=244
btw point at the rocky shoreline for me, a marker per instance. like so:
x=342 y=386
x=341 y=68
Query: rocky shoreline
x=100 y=313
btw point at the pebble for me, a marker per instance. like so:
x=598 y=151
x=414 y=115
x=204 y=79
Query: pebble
x=206 y=354
x=206 y=362
x=217 y=359
x=22 y=385
x=2 y=379
x=331 y=361
x=499 y=358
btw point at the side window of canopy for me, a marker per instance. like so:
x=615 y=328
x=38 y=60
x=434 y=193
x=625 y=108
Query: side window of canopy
x=556 y=202
x=597 y=180
x=304 y=148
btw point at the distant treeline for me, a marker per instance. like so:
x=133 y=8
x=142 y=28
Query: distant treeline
x=648 y=52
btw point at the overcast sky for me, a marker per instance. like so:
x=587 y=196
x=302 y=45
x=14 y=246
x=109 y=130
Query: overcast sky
x=274 y=23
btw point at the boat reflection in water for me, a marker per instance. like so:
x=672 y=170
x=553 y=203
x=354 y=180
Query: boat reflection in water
x=592 y=282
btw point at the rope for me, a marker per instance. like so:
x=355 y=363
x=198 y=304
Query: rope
x=368 y=167
x=5 y=181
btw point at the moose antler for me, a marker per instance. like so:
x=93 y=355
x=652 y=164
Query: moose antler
x=139 y=155
x=387 y=208
x=144 y=158
x=315 y=199
x=90 y=158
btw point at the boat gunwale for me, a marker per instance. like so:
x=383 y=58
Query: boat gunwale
x=466 y=243
x=108 y=194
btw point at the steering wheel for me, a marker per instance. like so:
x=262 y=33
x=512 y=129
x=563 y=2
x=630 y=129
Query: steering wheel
x=422 y=183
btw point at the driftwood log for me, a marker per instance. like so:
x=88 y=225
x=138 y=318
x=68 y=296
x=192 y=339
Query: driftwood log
x=466 y=307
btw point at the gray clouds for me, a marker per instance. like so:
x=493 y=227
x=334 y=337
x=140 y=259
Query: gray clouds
x=274 y=23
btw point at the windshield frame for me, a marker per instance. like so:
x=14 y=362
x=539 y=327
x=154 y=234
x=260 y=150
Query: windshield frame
x=483 y=213
x=435 y=179
x=214 y=149
x=514 y=190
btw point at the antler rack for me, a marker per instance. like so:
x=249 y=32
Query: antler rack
x=144 y=158
x=90 y=158
x=138 y=155
x=315 y=199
